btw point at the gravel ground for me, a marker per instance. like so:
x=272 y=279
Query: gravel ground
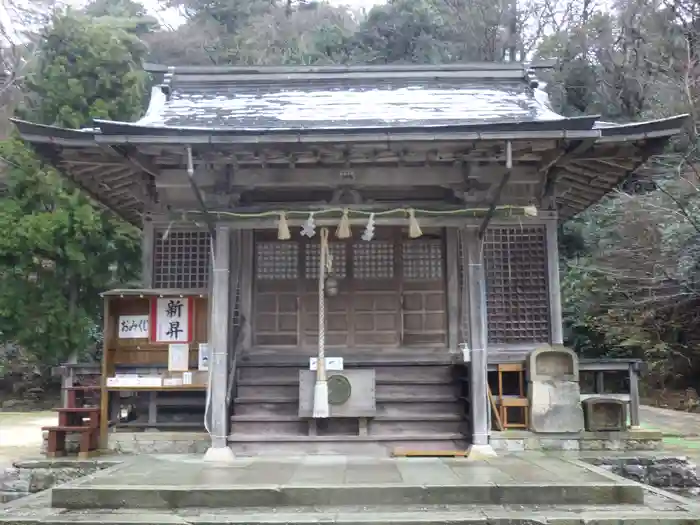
x=20 y=434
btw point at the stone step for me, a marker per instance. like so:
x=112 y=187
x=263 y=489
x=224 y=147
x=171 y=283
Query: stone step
x=289 y=425
x=349 y=447
x=271 y=438
x=96 y=496
x=385 y=515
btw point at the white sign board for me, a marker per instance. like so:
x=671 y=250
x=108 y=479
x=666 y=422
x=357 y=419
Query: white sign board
x=133 y=327
x=203 y=360
x=178 y=357
x=332 y=363
x=173 y=320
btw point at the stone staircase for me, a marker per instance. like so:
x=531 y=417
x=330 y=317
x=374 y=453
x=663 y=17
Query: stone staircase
x=418 y=407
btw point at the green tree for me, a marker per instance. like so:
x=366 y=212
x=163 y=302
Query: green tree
x=86 y=69
x=58 y=250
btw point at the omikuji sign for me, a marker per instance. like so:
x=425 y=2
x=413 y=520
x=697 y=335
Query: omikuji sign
x=133 y=327
x=171 y=320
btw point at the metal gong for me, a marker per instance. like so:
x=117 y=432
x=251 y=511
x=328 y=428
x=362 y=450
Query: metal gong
x=339 y=389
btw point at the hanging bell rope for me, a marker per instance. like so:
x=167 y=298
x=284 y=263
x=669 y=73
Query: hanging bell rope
x=321 y=408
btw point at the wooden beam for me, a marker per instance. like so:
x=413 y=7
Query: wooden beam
x=358 y=177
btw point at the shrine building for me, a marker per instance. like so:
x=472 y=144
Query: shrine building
x=350 y=259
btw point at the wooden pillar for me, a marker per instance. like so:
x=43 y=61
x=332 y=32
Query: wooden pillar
x=107 y=336
x=476 y=281
x=556 y=329
x=218 y=346
x=147 y=246
x=246 y=258
x=452 y=270
x=634 y=394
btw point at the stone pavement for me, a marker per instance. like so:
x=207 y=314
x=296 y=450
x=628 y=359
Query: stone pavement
x=670 y=422
x=525 y=489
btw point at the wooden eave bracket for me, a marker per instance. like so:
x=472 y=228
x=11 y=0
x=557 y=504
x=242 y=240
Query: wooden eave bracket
x=497 y=195
x=548 y=167
x=198 y=193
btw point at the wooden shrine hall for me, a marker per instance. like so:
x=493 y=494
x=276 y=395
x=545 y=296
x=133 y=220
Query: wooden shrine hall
x=352 y=259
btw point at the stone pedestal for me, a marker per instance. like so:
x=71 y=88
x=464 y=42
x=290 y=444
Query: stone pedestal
x=605 y=414
x=554 y=392
x=555 y=406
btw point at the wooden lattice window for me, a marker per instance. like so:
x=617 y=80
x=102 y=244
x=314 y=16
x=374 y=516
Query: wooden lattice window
x=517 y=297
x=181 y=259
x=339 y=266
x=422 y=260
x=373 y=260
x=277 y=261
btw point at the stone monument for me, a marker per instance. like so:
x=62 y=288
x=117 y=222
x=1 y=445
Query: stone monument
x=555 y=395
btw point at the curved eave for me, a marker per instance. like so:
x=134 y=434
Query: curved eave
x=615 y=152
x=577 y=127
x=665 y=127
x=589 y=177
x=101 y=172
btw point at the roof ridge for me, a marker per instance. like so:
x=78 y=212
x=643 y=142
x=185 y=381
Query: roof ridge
x=172 y=76
x=334 y=69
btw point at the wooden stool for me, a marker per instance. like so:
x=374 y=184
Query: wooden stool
x=518 y=401
x=76 y=420
x=74 y=417
x=72 y=394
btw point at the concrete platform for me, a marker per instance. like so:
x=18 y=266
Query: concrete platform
x=513 y=490
x=177 y=482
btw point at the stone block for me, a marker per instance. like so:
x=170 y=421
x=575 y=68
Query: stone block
x=643 y=444
x=555 y=407
x=553 y=363
x=605 y=414
x=559 y=444
x=513 y=445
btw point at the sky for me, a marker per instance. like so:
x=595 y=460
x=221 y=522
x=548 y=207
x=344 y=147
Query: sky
x=168 y=17
x=172 y=18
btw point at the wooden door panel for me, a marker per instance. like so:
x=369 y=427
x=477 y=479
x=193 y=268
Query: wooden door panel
x=336 y=320
x=424 y=299
x=391 y=291
x=276 y=303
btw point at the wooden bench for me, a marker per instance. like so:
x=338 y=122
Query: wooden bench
x=89 y=440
